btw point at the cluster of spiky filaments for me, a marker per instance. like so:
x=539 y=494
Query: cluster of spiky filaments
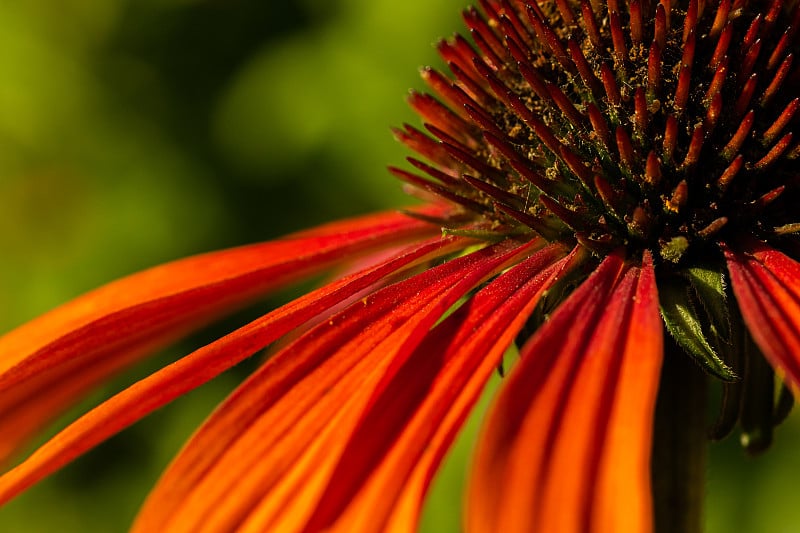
x=646 y=125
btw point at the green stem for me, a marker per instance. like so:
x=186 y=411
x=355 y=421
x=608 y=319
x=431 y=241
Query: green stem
x=679 y=444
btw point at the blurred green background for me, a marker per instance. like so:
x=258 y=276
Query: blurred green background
x=132 y=133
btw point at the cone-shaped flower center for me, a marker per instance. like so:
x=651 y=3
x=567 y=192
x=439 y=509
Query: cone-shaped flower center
x=649 y=126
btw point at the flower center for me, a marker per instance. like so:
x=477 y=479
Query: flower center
x=650 y=127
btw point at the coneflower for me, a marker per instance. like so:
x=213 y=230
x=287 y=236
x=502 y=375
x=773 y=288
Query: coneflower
x=611 y=186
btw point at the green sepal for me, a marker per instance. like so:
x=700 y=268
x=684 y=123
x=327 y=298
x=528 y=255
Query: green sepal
x=730 y=405
x=481 y=235
x=709 y=285
x=783 y=405
x=757 y=416
x=683 y=323
x=485 y=235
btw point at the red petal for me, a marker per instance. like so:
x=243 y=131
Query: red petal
x=46 y=364
x=412 y=423
x=264 y=456
x=767 y=287
x=160 y=388
x=566 y=447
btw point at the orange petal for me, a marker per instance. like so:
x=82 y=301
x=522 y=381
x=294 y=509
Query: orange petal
x=566 y=447
x=767 y=287
x=262 y=459
x=46 y=364
x=410 y=426
x=135 y=402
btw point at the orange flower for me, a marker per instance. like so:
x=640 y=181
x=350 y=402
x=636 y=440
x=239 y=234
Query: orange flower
x=603 y=174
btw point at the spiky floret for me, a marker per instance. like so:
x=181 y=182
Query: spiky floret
x=643 y=124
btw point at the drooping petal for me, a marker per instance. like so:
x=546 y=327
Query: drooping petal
x=566 y=447
x=46 y=364
x=261 y=461
x=156 y=390
x=767 y=287
x=413 y=421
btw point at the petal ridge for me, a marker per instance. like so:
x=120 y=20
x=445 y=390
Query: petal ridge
x=159 y=388
x=766 y=284
x=49 y=362
x=554 y=433
x=267 y=433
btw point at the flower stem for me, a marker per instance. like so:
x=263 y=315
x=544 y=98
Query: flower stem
x=679 y=449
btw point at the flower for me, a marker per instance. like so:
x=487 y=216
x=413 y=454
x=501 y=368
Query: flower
x=616 y=189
